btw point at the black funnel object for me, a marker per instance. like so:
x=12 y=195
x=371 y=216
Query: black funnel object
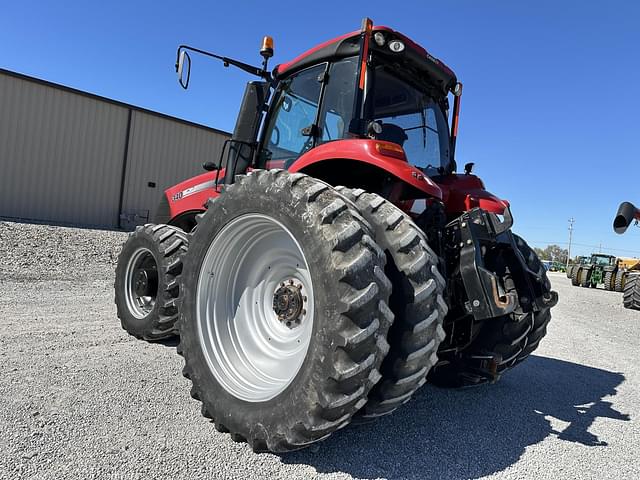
x=627 y=212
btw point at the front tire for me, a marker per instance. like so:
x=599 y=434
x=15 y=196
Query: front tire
x=285 y=311
x=146 y=284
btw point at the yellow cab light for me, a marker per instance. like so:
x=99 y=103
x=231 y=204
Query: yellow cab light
x=267 y=47
x=389 y=149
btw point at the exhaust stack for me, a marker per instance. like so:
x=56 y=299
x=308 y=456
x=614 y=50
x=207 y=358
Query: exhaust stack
x=627 y=213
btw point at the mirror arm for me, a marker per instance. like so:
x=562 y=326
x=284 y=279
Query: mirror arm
x=262 y=73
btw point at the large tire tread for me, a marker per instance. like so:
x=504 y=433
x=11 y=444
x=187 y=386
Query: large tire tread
x=621 y=278
x=631 y=296
x=353 y=359
x=417 y=302
x=610 y=280
x=171 y=244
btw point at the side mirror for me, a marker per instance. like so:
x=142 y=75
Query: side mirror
x=210 y=166
x=183 y=68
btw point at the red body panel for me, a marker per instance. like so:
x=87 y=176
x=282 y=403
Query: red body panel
x=192 y=194
x=365 y=151
x=461 y=193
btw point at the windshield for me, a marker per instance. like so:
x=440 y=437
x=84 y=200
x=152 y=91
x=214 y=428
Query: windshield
x=598 y=260
x=412 y=119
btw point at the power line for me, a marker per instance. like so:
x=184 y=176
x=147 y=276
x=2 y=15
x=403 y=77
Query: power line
x=571 y=222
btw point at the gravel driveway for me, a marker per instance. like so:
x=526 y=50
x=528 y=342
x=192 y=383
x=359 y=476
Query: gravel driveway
x=79 y=398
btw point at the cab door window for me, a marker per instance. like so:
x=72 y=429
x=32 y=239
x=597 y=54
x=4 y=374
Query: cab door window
x=338 y=100
x=291 y=128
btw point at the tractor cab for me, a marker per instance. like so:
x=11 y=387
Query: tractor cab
x=602 y=260
x=369 y=109
x=386 y=89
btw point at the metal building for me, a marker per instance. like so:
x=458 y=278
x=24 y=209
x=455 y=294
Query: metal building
x=70 y=157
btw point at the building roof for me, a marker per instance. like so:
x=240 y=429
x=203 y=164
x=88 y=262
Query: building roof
x=108 y=100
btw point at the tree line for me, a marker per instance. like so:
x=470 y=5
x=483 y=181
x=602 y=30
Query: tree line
x=554 y=253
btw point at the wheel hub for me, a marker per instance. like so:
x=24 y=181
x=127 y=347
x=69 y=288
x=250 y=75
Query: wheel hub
x=143 y=283
x=288 y=303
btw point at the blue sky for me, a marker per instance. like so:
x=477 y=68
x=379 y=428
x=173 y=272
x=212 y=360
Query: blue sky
x=550 y=105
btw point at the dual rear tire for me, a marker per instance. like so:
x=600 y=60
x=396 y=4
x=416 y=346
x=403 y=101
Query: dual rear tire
x=285 y=311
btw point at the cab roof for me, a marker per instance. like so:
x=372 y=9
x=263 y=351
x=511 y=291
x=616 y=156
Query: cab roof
x=349 y=45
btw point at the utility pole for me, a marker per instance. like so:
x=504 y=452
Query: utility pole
x=571 y=222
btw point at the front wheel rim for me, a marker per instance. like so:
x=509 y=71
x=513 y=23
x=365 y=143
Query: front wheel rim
x=141 y=283
x=255 y=307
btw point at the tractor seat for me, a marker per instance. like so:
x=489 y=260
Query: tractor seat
x=392 y=133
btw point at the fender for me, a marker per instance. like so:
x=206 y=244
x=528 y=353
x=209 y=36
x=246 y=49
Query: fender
x=387 y=156
x=192 y=194
x=461 y=193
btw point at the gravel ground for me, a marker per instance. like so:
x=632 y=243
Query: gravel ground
x=81 y=399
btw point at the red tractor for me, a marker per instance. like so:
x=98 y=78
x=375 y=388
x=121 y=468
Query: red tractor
x=332 y=261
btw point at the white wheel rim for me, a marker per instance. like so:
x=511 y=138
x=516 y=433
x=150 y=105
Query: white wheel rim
x=139 y=304
x=252 y=353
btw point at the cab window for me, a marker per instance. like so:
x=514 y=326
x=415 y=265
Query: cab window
x=338 y=100
x=290 y=130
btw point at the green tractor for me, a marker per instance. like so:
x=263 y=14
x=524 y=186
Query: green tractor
x=598 y=270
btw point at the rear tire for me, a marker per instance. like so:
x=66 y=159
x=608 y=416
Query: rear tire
x=610 y=281
x=584 y=277
x=631 y=297
x=280 y=396
x=574 y=276
x=621 y=279
x=146 y=285
x=416 y=301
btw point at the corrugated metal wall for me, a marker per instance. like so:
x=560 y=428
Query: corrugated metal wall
x=60 y=154
x=69 y=157
x=161 y=152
